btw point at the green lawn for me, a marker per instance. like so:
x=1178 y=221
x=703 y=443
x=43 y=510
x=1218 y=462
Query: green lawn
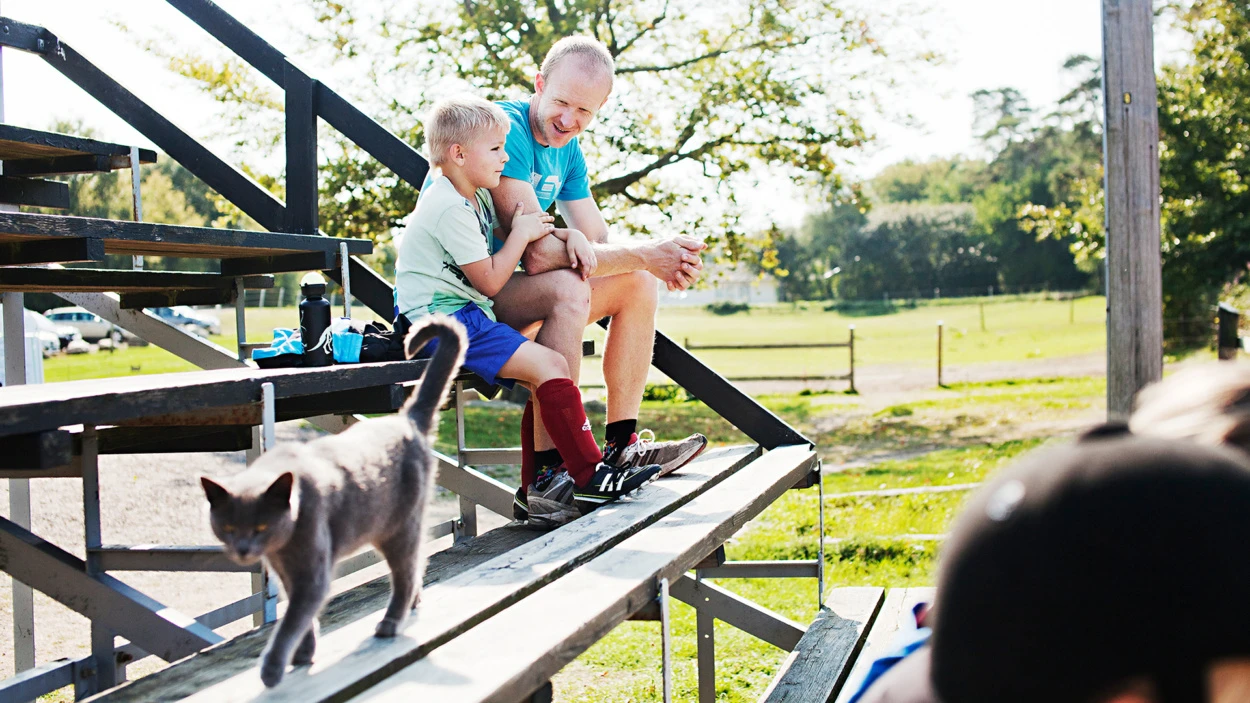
x=1016 y=329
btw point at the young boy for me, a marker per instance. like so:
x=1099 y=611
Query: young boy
x=445 y=266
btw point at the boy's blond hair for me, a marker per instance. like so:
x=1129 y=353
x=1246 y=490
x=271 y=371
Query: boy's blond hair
x=589 y=51
x=460 y=119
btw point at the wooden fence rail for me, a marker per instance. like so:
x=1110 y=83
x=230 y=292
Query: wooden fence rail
x=849 y=345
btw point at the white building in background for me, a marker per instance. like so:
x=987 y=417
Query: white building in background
x=730 y=287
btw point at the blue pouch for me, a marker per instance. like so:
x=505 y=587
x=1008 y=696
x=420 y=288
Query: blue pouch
x=346 y=347
x=285 y=341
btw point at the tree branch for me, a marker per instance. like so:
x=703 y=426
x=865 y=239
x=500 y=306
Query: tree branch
x=763 y=43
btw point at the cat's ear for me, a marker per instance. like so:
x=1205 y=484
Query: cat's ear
x=215 y=492
x=278 y=494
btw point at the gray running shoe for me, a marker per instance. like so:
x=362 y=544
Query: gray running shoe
x=610 y=483
x=550 y=500
x=644 y=450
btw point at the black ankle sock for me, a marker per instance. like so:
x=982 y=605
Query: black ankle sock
x=547 y=459
x=619 y=433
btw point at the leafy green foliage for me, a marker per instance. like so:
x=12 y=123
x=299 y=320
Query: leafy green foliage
x=704 y=102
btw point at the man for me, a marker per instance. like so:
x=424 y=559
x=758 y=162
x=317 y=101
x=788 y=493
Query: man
x=579 y=277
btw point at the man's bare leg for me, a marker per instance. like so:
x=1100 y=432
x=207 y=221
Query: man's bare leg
x=630 y=299
x=559 y=301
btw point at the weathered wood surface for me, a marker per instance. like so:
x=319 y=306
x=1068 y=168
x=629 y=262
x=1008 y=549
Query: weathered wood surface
x=515 y=652
x=517 y=564
x=897 y=606
x=1134 y=278
x=46 y=280
x=22 y=143
x=817 y=669
x=39 y=407
x=36 y=192
x=49 y=251
x=170 y=240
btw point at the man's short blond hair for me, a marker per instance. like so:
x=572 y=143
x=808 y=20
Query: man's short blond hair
x=589 y=51
x=460 y=119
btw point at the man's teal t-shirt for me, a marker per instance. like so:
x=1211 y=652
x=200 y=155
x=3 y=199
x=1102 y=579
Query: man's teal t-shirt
x=556 y=173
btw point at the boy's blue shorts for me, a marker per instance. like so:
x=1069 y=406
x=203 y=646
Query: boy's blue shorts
x=491 y=344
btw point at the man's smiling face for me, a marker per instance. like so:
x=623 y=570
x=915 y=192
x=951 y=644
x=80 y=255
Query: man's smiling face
x=566 y=102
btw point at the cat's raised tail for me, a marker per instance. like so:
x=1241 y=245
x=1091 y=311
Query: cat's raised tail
x=443 y=366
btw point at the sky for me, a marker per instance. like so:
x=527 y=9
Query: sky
x=987 y=44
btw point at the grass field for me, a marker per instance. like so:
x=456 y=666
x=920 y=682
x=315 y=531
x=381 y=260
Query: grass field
x=1015 y=329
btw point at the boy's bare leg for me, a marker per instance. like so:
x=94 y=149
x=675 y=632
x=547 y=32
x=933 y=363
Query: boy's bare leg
x=630 y=299
x=559 y=301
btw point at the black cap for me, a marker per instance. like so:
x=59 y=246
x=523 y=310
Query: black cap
x=1086 y=566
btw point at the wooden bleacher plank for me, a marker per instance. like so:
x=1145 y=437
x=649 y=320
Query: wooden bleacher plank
x=817 y=669
x=23 y=143
x=51 y=251
x=898 y=604
x=451 y=604
x=36 y=192
x=170 y=240
x=39 y=407
x=516 y=651
x=22 y=279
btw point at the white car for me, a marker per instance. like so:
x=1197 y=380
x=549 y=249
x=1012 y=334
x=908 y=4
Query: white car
x=39 y=326
x=92 y=326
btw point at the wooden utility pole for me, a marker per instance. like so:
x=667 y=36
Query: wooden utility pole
x=1131 y=158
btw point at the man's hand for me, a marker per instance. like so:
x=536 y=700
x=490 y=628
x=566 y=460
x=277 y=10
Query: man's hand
x=676 y=262
x=581 y=254
x=531 y=227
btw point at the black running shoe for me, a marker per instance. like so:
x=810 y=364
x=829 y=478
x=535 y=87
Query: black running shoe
x=520 y=508
x=611 y=482
x=550 y=500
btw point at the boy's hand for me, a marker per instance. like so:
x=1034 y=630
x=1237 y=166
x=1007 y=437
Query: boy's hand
x=581 y=254
x=531 y=227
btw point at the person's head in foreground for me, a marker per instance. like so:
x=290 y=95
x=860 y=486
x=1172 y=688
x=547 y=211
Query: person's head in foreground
x=1111 y=570
x=573 y=82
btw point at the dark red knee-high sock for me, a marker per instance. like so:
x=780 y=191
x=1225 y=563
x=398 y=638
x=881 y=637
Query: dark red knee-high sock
x=528 y=470
x=560 y=404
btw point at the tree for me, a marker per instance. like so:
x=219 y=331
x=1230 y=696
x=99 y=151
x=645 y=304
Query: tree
x=705 y=101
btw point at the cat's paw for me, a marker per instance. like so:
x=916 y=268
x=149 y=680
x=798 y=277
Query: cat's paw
x=387 y=628
x=271 y=672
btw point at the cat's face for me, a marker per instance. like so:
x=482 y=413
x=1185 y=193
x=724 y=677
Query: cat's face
x=252 y=520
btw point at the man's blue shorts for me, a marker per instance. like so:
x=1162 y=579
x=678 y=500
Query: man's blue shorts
x=491 y=344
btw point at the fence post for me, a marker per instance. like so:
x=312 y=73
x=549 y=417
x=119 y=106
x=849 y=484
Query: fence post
x=982 y=306
x=851 y=347
x=1072 y=309
x=939 y=350
x=1229 y=342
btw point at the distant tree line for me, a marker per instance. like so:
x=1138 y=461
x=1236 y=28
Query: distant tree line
x=955 y=225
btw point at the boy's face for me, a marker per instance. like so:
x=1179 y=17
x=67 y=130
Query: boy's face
x=482 y=160
x=566 y=102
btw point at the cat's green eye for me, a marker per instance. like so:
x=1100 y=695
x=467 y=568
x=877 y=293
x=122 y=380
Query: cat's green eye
x=228 y=528
x=262 y=527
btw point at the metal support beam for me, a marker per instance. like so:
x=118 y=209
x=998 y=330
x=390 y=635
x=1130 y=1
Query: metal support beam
x=666 y=643
x=19 y=489
x=107 y=674
x=475 y=486
x=783 y=569
x=33 y=683
x=136 y=179
x=63 y=577
x=301 y=151
x=705 y=633
x=749 y=617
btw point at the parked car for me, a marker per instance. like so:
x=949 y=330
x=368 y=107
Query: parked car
x=92 y=327
x=39 y=326
x=189 y=319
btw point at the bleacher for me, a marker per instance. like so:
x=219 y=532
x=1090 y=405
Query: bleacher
x=474 y=636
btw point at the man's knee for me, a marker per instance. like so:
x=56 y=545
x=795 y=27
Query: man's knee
x=570 y=294
x=643 y=290
x=556 y=362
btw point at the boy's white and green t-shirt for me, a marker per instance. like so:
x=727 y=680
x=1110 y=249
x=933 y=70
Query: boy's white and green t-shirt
x=444 y=233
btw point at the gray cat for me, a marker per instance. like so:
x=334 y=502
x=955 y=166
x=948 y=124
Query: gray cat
x=302 y=507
